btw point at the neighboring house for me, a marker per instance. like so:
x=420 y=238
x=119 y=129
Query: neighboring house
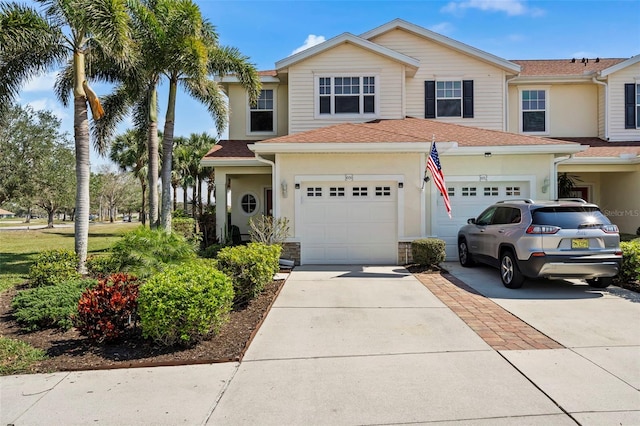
x=4 y=214
x=338 y=141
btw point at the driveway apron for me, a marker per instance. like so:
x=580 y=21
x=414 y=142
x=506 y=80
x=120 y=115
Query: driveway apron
x=372 y=345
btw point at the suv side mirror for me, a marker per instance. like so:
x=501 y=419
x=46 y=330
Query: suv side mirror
x=471 y=221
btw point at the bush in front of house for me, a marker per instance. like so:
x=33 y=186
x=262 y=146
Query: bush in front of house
x=630 y=270
x=52 y=267
x=104 y=313
x=186 y=226
x=51 y=305
x=101 y=266
x=428 y=251
x=250 y=267
x=184 y=303
x=144 y=251
x=211 y=252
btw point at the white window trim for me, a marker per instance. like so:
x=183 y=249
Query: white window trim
x=333 y=115
x=443 y=80
x=547 y=123
x=255 y=196
x=275 y=114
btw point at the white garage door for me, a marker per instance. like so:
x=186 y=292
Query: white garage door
x=469 y=199
x=348 y=223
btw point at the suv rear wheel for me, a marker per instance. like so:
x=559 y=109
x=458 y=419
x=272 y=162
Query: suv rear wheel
x=509 y=273
x=600 y=282
x=463 y=254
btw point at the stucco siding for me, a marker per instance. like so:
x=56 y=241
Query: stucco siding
x=409 y=165
x=620 y=199
x=345 y=59
x=247 y=184
x=438 y=62
x=616 y=82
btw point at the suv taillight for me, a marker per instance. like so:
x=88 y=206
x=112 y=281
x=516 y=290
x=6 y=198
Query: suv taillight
x=610 y=229
x=542 y=229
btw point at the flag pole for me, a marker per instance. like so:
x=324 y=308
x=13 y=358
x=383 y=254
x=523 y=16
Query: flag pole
x=426 y=178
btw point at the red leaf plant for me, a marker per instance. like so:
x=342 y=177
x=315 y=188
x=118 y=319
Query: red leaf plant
x=106 y=311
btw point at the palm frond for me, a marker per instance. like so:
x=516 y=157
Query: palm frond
x=209 y=93
x=229 y=60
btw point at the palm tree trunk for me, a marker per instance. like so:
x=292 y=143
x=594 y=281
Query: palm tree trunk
x=185 y=198
x=143 y=213
x=174 y=186
x=199 y=196
x=153 y=159
x=167 y=152
x=81 y=135
x=194 y=198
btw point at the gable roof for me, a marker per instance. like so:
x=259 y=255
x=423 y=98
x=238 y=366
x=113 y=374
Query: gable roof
x=379 y=134
x=608 y=152
x=410 y=62
x=443 y=40
x=617 y=67
x=230 y=153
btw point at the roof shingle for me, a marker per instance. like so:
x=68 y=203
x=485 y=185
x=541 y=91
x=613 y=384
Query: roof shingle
x=564 y=67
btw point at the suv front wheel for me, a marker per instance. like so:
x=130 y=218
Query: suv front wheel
x=509 y=273
x=463 y=254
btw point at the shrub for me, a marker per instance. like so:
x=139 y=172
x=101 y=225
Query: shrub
x=185 y=303
x=143 y=251
x=49 y=306
x=106 y=311
x=211 y=252
x=250 y=267
x=186 y=226
x=268 y=230
x=428 y=251
x=102 y=266
x=630 y=270
x=52 y=267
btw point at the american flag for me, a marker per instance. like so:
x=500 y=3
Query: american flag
x=433 y=164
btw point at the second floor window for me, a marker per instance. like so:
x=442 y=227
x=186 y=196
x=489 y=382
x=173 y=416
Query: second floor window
x=346 y=95
x=261 y=113
x=449 y=98
x=632 y=106
x=534 y=111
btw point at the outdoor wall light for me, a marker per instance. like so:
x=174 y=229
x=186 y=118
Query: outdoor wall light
x=297 y=186
x=545 y=185
x=400 y=184
x=283 y=187
x=487 y=154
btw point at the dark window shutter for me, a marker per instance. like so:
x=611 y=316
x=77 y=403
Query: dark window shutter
x=467 y=98
x=430 y=99
x=629 y=106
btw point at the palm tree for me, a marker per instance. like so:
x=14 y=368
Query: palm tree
x=196 y=147
x=129 y=152
x=73 y=32
x=194 y=54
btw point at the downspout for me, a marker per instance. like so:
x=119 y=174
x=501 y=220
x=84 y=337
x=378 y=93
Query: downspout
x=554 y=180
x=606 y=106
x=274 y=188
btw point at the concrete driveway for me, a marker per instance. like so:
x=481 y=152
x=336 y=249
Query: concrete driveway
x=374 y=345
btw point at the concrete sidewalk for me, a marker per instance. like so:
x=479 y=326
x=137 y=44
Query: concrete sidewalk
x=372 y=345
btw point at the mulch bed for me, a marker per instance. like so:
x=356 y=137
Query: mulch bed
x=68 y=350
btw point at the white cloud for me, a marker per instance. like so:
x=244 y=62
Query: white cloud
x=510 y=7
x=442 y=28
x=311 y=41
x=49 y=104
x=43 y=83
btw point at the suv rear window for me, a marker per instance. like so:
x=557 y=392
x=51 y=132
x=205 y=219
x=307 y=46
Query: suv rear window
x=570 y=217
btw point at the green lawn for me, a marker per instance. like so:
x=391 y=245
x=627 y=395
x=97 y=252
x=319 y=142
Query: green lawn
x=19 y=248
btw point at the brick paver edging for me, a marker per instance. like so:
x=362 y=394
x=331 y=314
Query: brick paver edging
x=498 y=327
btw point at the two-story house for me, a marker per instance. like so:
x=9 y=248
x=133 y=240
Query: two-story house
x=339 y=139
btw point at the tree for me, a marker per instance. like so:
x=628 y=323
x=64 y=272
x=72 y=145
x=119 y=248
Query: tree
x=69 y=31
x=54 y=179
x=192 y=151
x=129 y=152
x=26 y=137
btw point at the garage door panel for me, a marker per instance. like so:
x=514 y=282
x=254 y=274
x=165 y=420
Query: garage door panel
x=359 y=226
x=469 y=199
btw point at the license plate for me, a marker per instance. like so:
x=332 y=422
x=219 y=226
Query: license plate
x=580 y=243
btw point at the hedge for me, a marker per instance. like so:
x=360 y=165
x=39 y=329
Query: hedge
x=428 y=251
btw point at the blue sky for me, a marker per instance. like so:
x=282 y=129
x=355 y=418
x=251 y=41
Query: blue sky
x=267 y=31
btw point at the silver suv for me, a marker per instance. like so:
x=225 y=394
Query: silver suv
x=546 y=239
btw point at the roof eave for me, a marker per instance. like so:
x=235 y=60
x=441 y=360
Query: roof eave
x=343 y=147
x=603 y=160
x=578 y=78
x=518 y=149
x=438 y=38
x=223 y=162
x=617 y=67
x=234 y=79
